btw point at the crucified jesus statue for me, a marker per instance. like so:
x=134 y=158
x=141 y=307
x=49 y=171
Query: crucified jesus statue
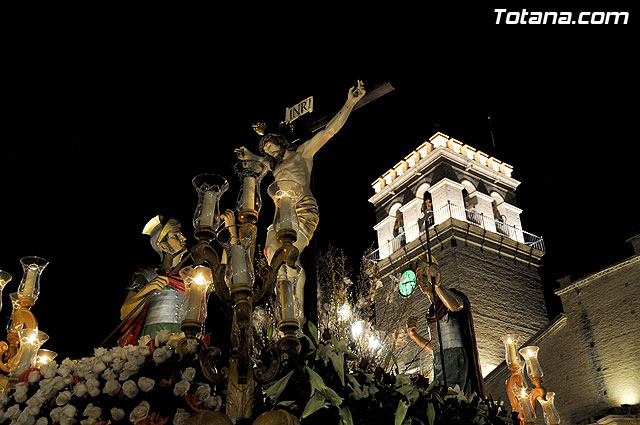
x=288 y=162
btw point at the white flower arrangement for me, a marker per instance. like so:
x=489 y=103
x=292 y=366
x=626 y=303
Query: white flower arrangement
x=114 y=384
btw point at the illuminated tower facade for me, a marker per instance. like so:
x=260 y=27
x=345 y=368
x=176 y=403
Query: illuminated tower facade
x=465 y=200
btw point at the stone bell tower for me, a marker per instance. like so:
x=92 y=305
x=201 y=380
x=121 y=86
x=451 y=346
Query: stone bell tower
x=476 y=236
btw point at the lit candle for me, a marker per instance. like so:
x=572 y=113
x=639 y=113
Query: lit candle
x=44 y=357
x=511 y=355
x=30 y=342
x=286 y=300
x=526 y=409
x=286 y=219
x=30 y=281
x=239 y=272
x=196 y=295
x=208 y=206
x=248 y=194
x=530 y=354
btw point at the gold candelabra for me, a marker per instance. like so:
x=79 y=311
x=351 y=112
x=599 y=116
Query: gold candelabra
x=19 y=353
x=523 y=399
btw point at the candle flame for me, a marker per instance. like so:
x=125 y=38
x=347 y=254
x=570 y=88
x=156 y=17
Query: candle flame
x=523 y=392
x=509 y=341
x=200 y=280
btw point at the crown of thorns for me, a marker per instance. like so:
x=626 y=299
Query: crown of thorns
x=276 y=137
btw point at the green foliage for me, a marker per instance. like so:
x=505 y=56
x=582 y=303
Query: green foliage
x=321 y=394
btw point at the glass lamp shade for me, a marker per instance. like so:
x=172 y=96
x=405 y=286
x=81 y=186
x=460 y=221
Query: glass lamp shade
x=238 y=249
x=285 y=194
x=30 y=284
x=210 y=188
x=15 y=305
x=551 y=416
x=527 y=411
x=197 y=280
x=250 y=174
x=30 y=342
x=510 y=350
x=5 y=278
x=530 y=355
x=286 y=293
x=45 y=356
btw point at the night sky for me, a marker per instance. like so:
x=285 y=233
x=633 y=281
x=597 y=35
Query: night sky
x=113 y=109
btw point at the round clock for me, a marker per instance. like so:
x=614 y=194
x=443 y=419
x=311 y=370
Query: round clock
x=407 y=283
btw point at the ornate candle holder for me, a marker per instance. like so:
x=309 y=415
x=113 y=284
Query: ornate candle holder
x=285 y=194
x=527 y=409
x=551 y=416
x=29 y=287
x=522 y=399
x=30 y=342
x=249 y=200
x=197 y=280
x=210 y=188
x=515 y=382
x=290 y=313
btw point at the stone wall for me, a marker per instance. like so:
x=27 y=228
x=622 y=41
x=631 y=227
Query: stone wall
x=501 y=291
x=589 y=355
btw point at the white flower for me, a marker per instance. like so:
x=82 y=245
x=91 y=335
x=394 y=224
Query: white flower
x=99 y=352
x=49 y=370
x=139 y=412
x=160 y=355
x=55 y=414
x=58 y=383
x=42 y=421
x=162 y=336
x=181 y=388
x=146 y=384
x=92 y=411
x=213 y=403
x=125 y=375
x=117 y=363
x=203 y=392
x=192 y=345
x=3 y=399
x=188 y=374
x=80 y=389
x=144 y=340
x=25 y=419
x=69 y=411
x=111 y=387
x=98 y=367
x=32 y=410
x=34 y=376
x=63 y=398
x=119 y=352
x=64 y=370
x=132 y=366
x=130 y=389
x=88 y=421
x=93 y=386
x=180 y=417
x=20 y=393
x=117 y=414
x=107 y=357
x=109 y=374
x=13 y=412
x=36 y=400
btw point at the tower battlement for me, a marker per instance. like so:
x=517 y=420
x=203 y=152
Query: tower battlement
x=440 y=140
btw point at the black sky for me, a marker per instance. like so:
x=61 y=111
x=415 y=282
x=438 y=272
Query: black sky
x=113 y=108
